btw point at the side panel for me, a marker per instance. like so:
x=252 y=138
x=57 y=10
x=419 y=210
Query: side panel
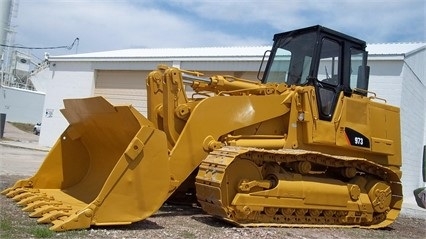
x=371 y=127
x=386 y=132
x=360 y=127
x=353 y=129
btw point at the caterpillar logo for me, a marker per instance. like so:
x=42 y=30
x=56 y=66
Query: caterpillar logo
x=355 y=138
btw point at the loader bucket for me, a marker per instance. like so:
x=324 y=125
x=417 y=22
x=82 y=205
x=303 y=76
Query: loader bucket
x=109 y=167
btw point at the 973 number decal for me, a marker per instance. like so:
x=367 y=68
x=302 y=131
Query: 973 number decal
x=359 y=141
x=355 y=138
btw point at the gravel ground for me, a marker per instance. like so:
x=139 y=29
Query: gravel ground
x=170 y=221
x=173 y=221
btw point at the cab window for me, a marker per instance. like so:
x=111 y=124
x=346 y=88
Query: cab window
x=328 y=77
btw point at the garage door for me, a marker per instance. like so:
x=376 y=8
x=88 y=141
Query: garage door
x=122 y=88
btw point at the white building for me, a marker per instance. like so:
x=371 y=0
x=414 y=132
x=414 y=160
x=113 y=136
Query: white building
x=397 y=75
x=20 y=105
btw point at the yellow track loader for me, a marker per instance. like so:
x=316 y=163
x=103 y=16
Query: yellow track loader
x=305 y=145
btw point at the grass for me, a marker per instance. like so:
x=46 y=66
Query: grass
x=6 y=228
x=16 y=224
x=10 y=229
x=187 y=234
x=41 y=232
x=23 y=126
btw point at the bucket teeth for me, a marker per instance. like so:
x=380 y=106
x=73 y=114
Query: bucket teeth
x=33 y=198
x=6 y=191
x=39 y=212
x=18 y=191
x=52 y=216
x=12 y=193
x=33 y=205
x=22 y=196
x=78 y=220
x=41 y=206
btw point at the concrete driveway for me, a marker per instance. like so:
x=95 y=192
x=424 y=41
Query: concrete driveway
x=20 y=153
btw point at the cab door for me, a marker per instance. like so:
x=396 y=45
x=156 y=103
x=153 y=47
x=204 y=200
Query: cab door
x=329 y=74
x=328 y=87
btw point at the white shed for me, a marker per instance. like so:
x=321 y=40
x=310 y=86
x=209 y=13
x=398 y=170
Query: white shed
x=397 y=75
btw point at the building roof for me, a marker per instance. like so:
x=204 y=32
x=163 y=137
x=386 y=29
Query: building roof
x=395 y=48
x=209 y=52
x=383 y=49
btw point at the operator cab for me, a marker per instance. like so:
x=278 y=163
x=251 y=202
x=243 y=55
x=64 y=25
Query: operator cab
x=330 y=61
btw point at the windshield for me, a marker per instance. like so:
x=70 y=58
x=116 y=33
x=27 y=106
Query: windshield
x=291 y=59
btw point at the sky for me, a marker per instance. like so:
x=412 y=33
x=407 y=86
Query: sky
x=104 y=25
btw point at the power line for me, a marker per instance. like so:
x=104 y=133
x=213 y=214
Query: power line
x=76 y=41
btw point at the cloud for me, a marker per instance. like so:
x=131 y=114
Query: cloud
x=118 y=24
x=372 y=20
x=113 y=25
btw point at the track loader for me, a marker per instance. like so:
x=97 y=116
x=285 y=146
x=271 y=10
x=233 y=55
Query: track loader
x=306 y=145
